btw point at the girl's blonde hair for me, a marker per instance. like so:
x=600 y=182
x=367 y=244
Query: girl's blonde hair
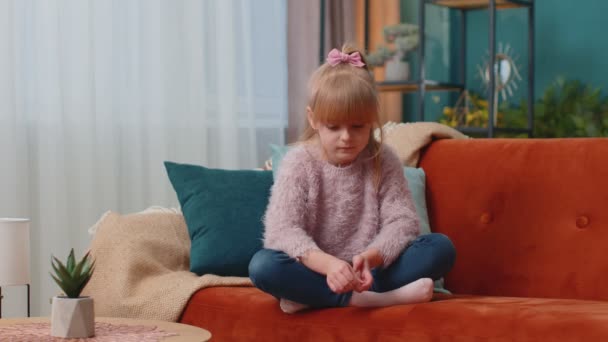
x=345 y=93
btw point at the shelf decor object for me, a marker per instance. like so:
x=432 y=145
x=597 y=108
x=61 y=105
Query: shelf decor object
x=72 y=315
x=506 y=76
x=400 y=39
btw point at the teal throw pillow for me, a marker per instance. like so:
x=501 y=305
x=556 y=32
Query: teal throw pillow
x=416 y=181
x=223 y=210
x=278 y=152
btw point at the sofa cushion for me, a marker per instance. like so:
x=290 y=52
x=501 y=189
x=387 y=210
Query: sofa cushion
x=247 y=314
x=416 y=180
x=527 y=216
x=223 y=211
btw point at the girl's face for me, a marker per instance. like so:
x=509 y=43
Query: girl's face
x=342 y=142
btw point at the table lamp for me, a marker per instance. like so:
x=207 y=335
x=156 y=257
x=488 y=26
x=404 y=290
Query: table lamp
x=15 y=255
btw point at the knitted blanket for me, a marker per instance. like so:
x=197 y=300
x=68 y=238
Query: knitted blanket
x=142 y=267
x=408 y=139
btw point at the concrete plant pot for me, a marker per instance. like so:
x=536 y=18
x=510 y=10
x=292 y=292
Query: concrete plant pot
x=397 y=70
x=72 y=317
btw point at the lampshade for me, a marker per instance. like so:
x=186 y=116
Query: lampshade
x=14 y=251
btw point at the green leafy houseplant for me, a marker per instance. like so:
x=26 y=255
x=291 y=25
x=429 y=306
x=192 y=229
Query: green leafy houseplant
x=568 y=108
x=571 y=109
x=73 y=276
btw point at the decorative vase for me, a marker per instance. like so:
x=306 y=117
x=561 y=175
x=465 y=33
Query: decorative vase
x=72 y=317
x=396 y=69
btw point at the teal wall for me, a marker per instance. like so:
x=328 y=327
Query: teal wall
x=570 y=42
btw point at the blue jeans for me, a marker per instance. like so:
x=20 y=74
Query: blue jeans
x=274 y=272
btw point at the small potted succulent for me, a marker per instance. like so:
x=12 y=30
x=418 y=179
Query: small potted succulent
x=72 y=316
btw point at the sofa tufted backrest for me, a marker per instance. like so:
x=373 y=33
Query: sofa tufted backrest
x=528 y=217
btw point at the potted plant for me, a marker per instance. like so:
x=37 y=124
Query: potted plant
x=404 y=38
x=567 y=108
x=72 y=316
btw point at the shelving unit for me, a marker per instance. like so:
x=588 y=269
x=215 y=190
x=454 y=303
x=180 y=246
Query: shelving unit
x=479 y=4
x=413 y=86
x=491 y=6
x=421 y=85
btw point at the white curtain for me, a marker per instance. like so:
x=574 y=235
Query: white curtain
x=96 y=94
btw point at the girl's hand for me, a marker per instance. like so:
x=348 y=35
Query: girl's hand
x=340 y=276
x=362 y=272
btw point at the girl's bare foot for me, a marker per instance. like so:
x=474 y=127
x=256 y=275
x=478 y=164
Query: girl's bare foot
x=419 y=291
x=290 y=307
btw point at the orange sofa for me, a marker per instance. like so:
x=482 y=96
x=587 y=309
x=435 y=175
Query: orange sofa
x=529 y=219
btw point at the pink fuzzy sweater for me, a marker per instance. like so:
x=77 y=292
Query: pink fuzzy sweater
x=315 y=205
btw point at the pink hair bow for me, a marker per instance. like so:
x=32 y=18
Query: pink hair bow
x=336 y=57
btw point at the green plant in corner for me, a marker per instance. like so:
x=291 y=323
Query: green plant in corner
x=73 y=276
x=571 y=109
x=568 y=108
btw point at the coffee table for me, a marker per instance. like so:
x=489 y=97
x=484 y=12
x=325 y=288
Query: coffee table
x=180 y=332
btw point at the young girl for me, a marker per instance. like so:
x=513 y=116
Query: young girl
x=341 y=226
